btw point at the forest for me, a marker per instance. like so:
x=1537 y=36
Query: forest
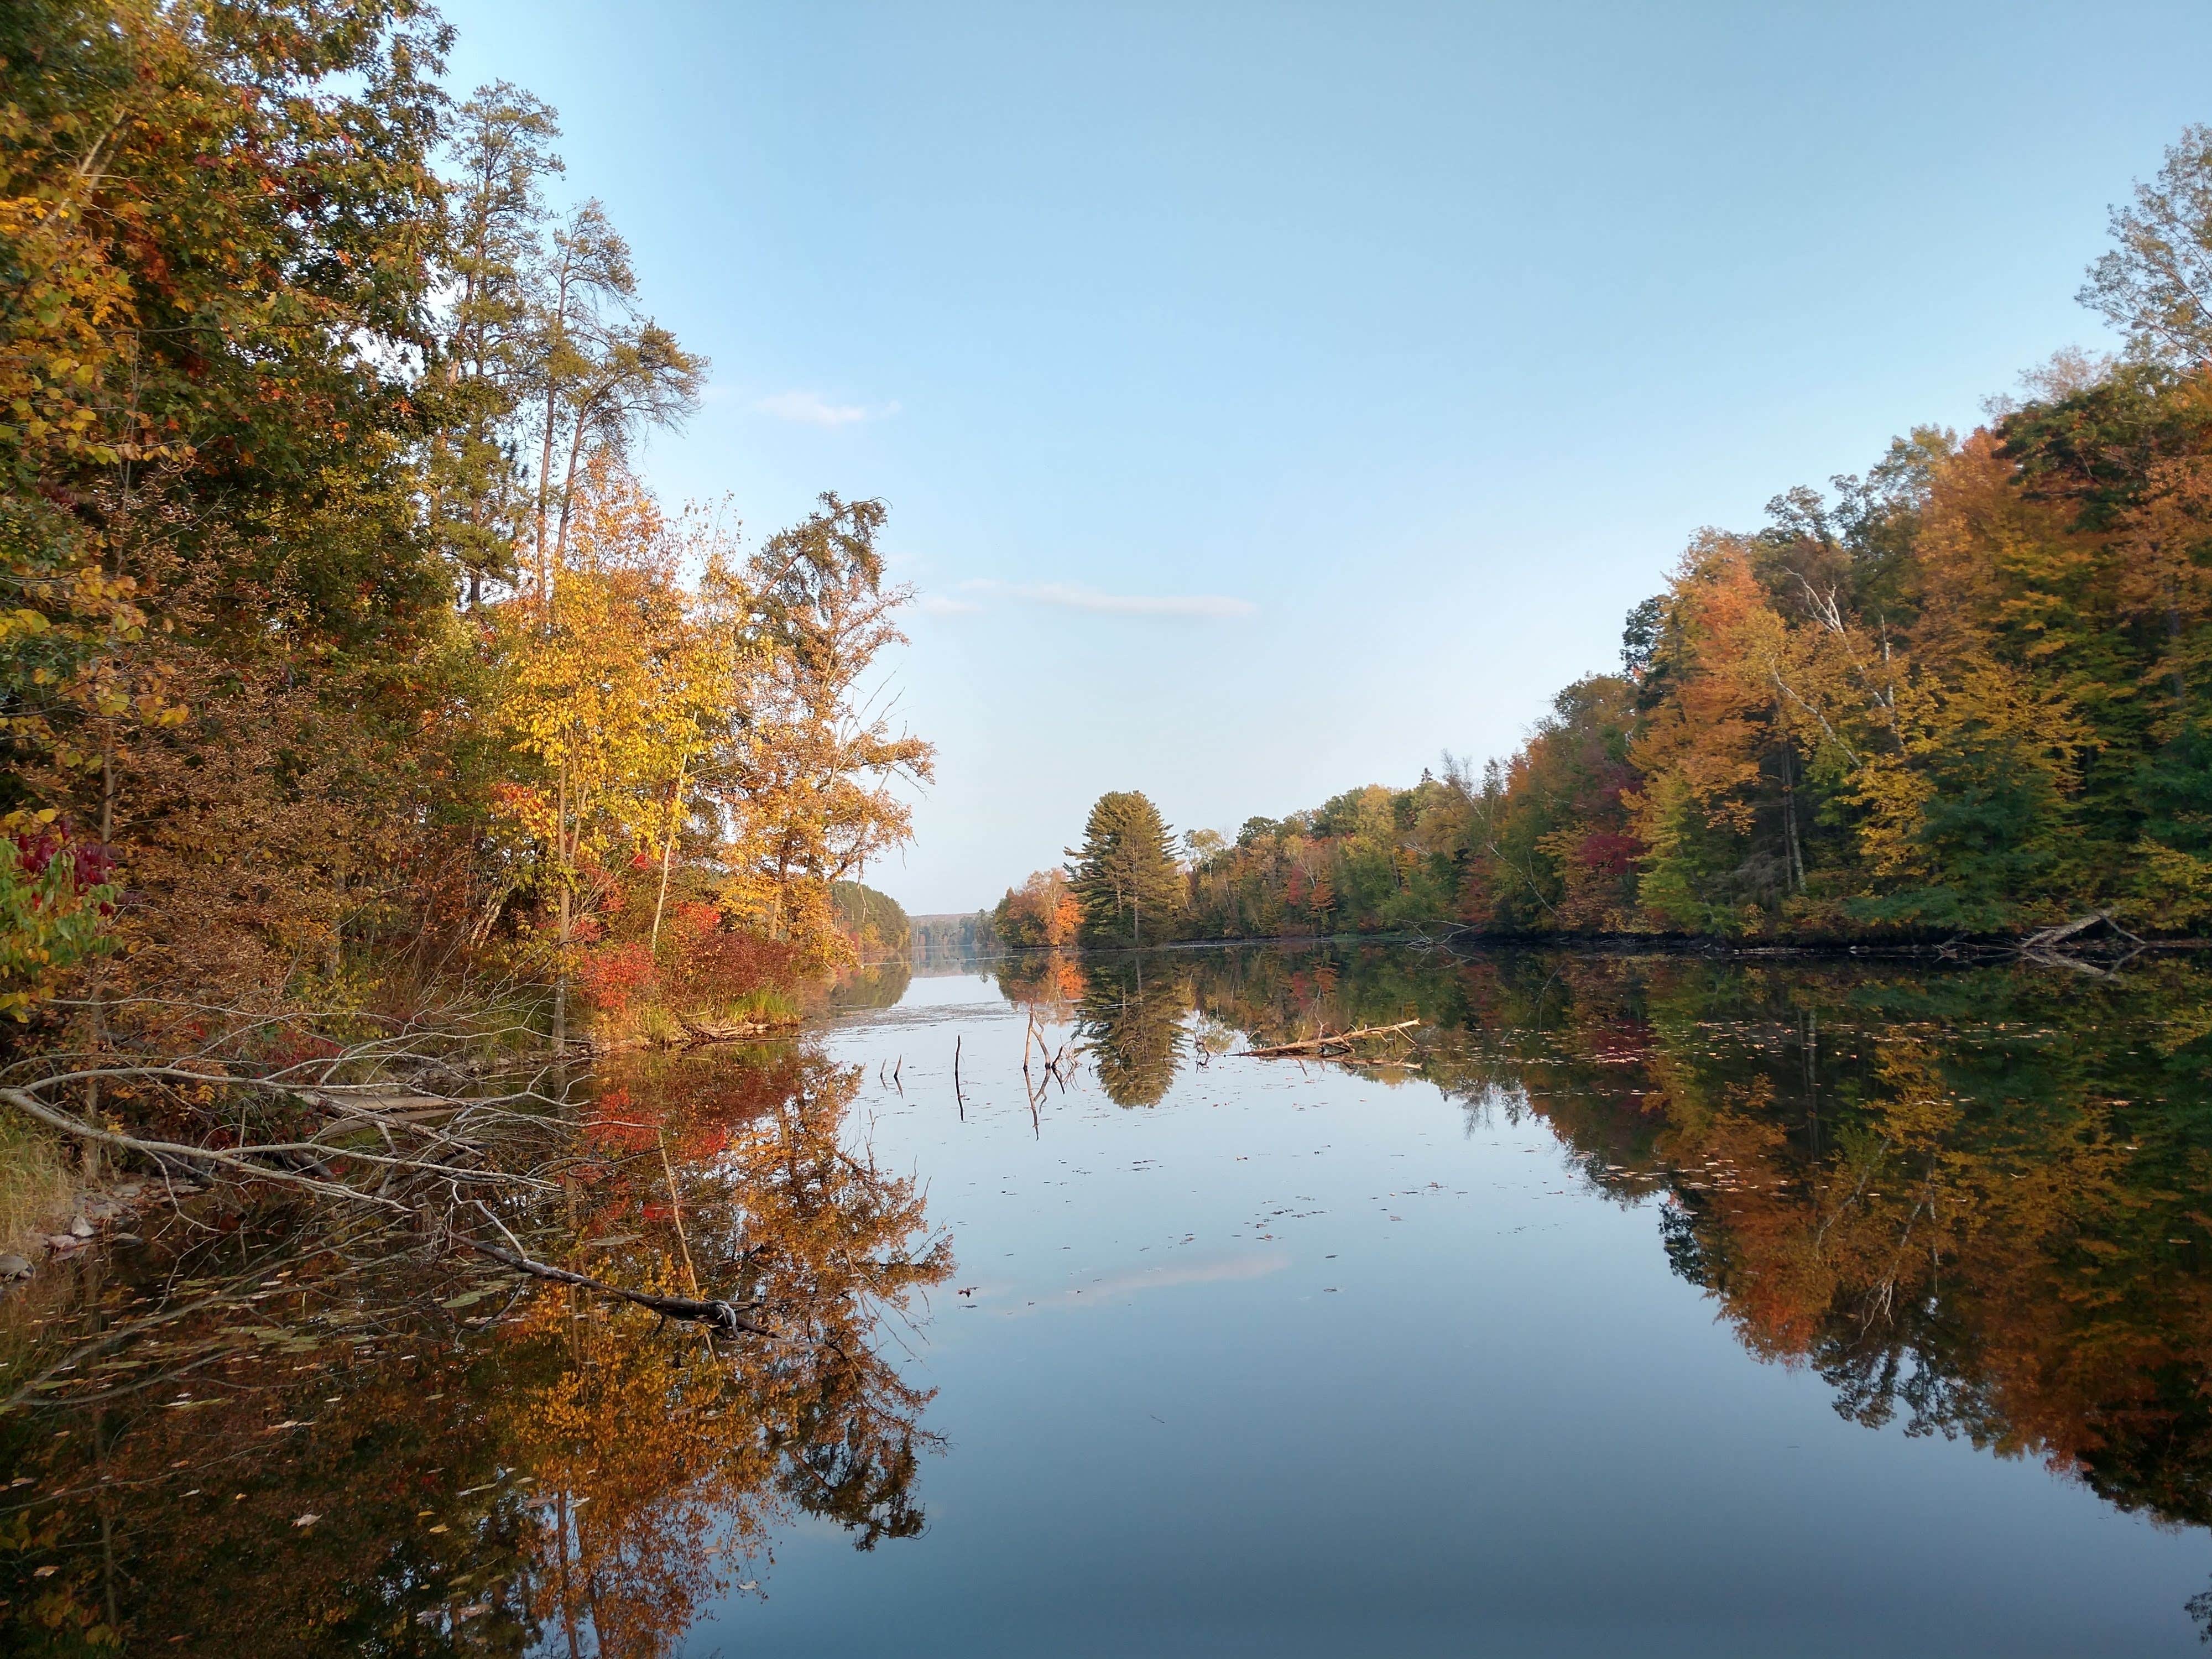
x=1962 y=693
x=348 y=661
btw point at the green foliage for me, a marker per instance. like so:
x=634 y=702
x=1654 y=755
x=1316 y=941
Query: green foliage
x=873 y=921
x=1124 y=877
x=51 y=920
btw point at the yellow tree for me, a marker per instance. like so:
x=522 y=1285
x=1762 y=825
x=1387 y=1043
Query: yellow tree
x=615 y=685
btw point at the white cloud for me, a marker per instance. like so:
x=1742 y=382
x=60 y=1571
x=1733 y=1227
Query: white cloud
x=812 y=409
x=1074 y=597
x=936 y=605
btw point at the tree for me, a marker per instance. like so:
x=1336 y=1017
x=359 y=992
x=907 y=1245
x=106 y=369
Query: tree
x=602 y=372
x=615 y=690
x=874 y=924
x=489 y=356
x=218 y=224
x=1125 y=874
x=1041 y=912
x=2155 y=285
x=803 y=777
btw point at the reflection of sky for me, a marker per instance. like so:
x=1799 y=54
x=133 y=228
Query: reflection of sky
x=1362 y=1378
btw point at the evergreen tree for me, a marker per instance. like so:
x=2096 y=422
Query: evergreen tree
x=1124 y=877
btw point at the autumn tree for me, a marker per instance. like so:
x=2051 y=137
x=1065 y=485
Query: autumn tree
x=219 y=225
x=806 y=776
x=618 y=689
x=1041 y=912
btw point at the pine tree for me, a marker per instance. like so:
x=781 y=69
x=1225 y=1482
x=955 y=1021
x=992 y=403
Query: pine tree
x=1124 y=877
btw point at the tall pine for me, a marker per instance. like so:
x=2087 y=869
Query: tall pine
x=1124 y=877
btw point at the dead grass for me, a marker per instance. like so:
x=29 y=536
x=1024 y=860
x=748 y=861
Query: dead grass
x=37 y=1186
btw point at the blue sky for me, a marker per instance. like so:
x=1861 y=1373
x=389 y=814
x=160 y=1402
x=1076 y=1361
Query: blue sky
x=1270 y=397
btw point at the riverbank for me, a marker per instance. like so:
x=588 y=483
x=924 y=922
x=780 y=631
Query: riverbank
x=1979 y=948
x=62 y=1197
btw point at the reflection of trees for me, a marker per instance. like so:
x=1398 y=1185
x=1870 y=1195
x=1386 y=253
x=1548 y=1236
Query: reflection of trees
x=1972 y=1200
x=1045 y=981
x=1131 y=1019
x=569 y=1472
x=871 y=985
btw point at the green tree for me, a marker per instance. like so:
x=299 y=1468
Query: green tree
x=490 y=355
x=1124 y=877
x=2155 y=283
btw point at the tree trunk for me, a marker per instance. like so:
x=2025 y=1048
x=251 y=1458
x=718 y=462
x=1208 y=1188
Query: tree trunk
x=2173 y=646
x=561 y=861
x=568 y=492
x=1790 y=820
x=561 y=982
x=667 y=856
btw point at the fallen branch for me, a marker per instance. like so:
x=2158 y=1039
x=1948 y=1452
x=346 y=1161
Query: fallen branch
x=2036 y=944
x=723 y=1314
x=161 y=1151
x=1328 y=1044
x=695 y=1036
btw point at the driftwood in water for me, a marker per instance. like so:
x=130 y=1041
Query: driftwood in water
x=727 y=1315
x=2051 y=936
x=695 y=1036
x=2053 y=945
x=1331 y=1045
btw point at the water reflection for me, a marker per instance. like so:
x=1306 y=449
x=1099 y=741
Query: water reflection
x=260 y=1437
x=1973 y=1201
x=1131 y=1025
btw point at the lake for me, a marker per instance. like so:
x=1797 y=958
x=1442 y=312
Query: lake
x=1677 y=1304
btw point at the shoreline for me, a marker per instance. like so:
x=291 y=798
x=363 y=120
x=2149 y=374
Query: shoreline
x=1976 y=948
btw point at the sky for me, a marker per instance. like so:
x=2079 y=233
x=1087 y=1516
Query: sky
x=1269 y=397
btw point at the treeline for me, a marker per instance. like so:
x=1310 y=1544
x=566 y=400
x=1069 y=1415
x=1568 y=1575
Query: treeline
x=952 y=940
x=1965 y=692
x=343 y=659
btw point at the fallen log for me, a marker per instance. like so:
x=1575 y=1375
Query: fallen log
x=2049 y=936
x=695 y=1036
x=1330 y=1043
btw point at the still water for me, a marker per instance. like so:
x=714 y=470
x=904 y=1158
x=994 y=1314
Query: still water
x=1651 y=1304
